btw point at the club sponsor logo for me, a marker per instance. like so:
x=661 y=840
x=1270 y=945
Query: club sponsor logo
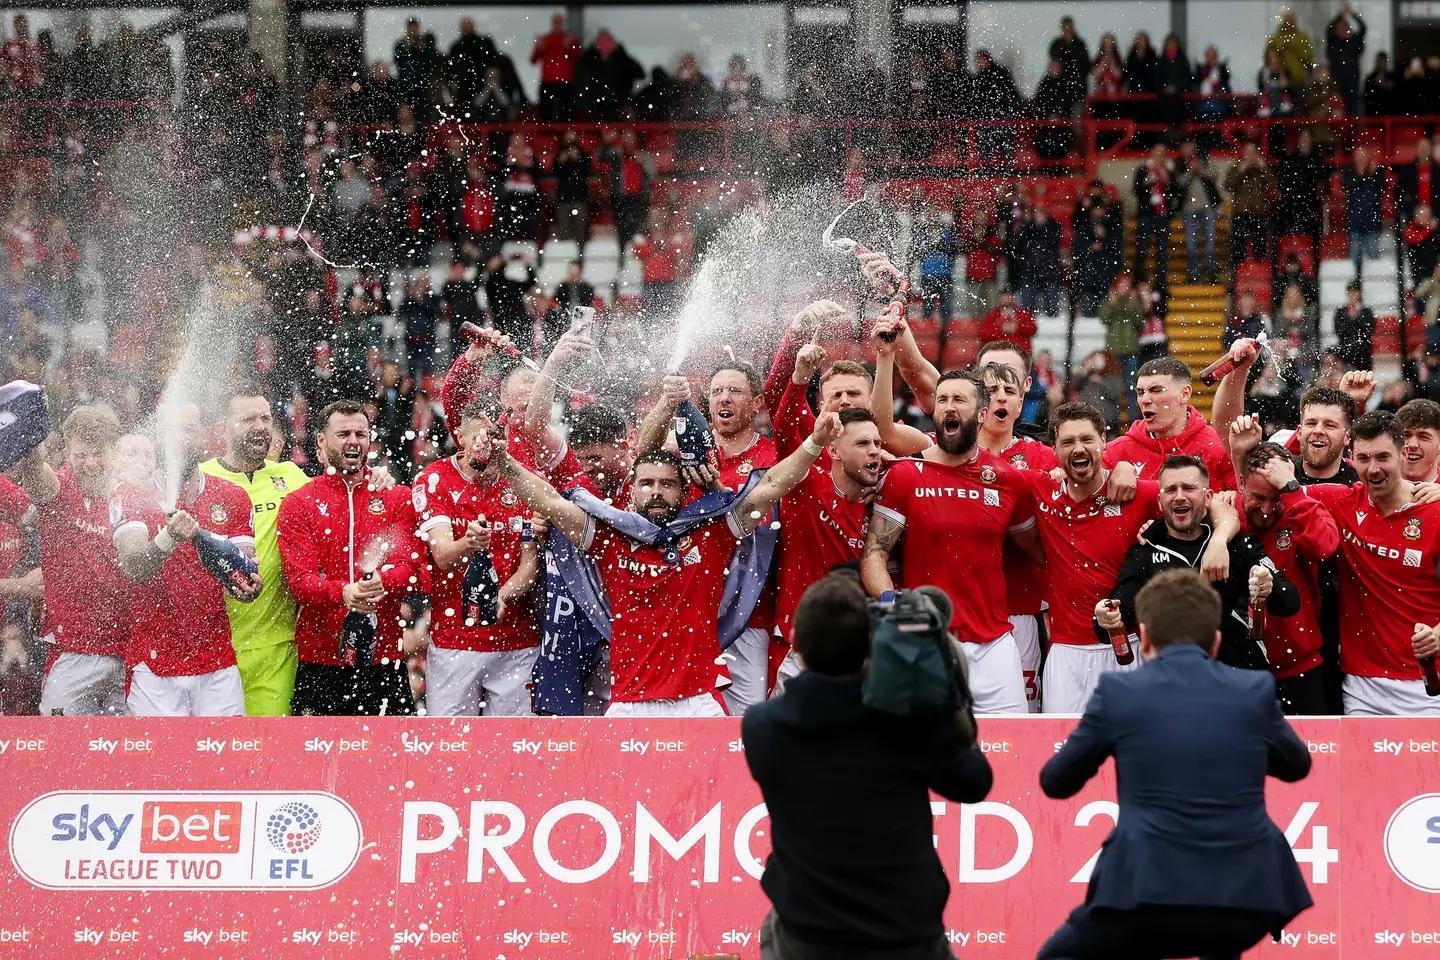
x=133 y=839
x=417 y=497
x=992 y=498
x=1412 y=558
x=1112 y=509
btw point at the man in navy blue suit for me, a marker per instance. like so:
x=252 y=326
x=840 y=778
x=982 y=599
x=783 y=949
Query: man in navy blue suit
x=1194 y=867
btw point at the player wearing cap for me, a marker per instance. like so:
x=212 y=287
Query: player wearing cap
x=956 y=505
x=262 y=631
x=1168 y=426
x=349 y=548
x=87 y=605
x=666 y=594
x=1389 y=597
x=1086 y=534
x=733 y=398
x=181 y=659
x=465 y=507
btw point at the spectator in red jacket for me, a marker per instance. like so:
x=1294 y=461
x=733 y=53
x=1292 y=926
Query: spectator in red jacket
x=558 y=53
x=1008 y=322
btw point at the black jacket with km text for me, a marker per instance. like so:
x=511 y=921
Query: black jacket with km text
x=848 y=793
x=1159 y=551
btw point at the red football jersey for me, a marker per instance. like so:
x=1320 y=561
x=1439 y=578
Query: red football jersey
x=1085 y=545
x=1304 y=535
x=180 y=627
x=15 y=510
x=819 y=528
x=87 y=597
x=956 y=521
x=443 y=497
x=1387 y=580
x=663 y=640
x=1027 y=583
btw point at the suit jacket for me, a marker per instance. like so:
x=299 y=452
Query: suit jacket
x=1193 y=741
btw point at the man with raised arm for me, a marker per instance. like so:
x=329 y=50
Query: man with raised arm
x=675 y=578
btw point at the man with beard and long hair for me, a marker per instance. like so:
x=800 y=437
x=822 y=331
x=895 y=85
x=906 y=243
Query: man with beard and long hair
x=1193 y=519
x=262 y=632
x=466 y=508
x=956 y=505
x=87 y=598
x=1086 y=535
x=180 y=654
x=666 y=587
x=348 y=548
x=1389 y=547
x=1298 y=535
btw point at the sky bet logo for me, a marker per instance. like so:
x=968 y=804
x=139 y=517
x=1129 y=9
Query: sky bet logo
x=1412 y=842
x=185 y=840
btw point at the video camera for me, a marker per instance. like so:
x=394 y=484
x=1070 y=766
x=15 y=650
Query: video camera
x=916 y=667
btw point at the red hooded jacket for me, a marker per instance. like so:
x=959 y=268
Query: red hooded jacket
x=326 y=532
x=1304 y=535
x=1147 y=452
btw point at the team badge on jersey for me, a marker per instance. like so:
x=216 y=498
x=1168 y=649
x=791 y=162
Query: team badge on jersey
x=280 y=484
x=377 y=506
x=1412 y=529
x=116 y=511
x=745 y=467
x=217 y=513
x=987 y=473
x=1018 y=460
x=685 y=542
x=509 y=498
x=1282 y=539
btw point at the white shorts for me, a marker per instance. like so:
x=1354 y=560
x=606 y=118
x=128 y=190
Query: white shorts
x=84 y=685
x=997 y=681
x=789 y=668
x=1379 y=697
x=469 y=683
x=1072 y=671
x=748 y=660
x=214 y=694
x=704 y=705
x=1025 y=628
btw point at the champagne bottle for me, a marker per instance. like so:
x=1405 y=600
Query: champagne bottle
x=1120 y=640
x=24 y=421
x=693 y=436
x=1212 y=374
x=1432 y=677
x=480 y=591
x=223 y=560
x=358 y=636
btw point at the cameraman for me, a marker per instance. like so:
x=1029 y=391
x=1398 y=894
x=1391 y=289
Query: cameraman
x=853 y=873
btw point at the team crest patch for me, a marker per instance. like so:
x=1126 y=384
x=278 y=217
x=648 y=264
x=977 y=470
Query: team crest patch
x=1018 y=460
x=1412 y=529
x=685 y=543
x=377 y=506
x=1283 y=539
x=280 y=483
x=987 y=473
x=744 y=468
x=509 y=498
x=218 y=513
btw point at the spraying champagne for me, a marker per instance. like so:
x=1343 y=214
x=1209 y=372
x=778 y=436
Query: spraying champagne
x=1212 y=374
x=483 y=338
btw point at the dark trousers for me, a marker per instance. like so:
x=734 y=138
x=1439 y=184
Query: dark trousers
x=1303 y=695
x=777 y=944
x=1247 y=230
x=1157 y=933
x=1152 y=230
x=379 y=690
x=557 y=102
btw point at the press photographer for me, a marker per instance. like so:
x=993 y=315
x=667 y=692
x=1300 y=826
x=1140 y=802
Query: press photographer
x=846 y=758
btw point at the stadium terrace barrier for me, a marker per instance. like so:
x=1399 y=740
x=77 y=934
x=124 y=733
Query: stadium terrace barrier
x=580 y=838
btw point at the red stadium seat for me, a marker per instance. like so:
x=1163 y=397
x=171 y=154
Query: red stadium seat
x=959 y=352
x=1254 y=276
x=1335 y=246
x=1299 y=244
x=929 y=347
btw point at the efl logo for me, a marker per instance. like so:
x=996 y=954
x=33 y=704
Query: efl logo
x=188 y=841
x=1412 y=842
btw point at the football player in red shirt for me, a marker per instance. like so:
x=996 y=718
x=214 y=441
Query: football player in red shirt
x=664 y=649
x=1298 y=534
x=87 y=607
x=1389 y=597
x=181 y=659
x=348 y=548
x=1169 y=425
x=734 y=398
x=1086 y=534
x=956 y=506
x=466 y=508
x=1421 y=453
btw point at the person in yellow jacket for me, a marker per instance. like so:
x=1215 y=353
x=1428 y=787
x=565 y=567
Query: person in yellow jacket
x=1294 y=47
